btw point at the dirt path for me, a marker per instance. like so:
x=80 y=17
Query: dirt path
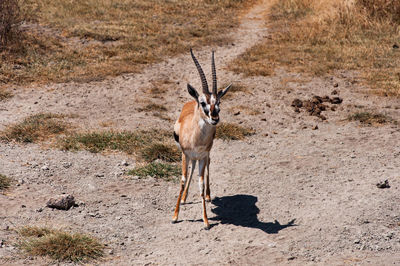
x=287 y=195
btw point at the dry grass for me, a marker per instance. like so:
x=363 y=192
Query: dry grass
x=320 y=37
x=157 y=170
x=9 y=20
x=34 y=128
x=368 y=118
x=89 y=39
x=147 y=145
x=153 y=107
x=229 y=131
x=246 y=109
x=59 y=245
x=4 y=94
x=5 y=182
x=236 y=87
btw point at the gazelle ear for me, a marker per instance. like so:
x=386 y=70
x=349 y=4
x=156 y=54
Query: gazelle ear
x=192 y=91
x=222 y=92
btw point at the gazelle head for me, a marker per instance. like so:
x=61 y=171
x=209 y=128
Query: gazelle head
x=207 y=102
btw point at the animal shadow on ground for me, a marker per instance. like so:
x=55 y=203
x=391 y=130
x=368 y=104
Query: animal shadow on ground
x=241 y=210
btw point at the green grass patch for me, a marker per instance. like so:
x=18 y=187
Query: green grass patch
x=157 y=170
x=5 y=182
x=148 y=145
x=229 y=131
x=36 y=127
x=371 y=118
x=59 y=245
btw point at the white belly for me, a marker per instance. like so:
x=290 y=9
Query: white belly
x=196 y=154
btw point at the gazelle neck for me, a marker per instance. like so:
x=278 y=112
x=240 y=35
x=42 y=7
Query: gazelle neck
x=201 y=124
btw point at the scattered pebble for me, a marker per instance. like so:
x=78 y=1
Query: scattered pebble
x=384 y=184
x=45 y=167
x=315 y=127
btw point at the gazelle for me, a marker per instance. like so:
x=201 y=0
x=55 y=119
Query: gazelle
x=194 y=131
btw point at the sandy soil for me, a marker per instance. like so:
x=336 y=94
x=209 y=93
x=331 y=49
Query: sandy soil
x=287 y=195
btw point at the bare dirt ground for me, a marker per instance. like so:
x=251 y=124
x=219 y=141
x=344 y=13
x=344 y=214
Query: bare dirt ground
x=287 y=195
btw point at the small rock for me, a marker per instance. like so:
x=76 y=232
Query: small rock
x=384 y=184
x=23 y=206
x=45 y=167
x=124 y=163
x=315 y=127
x=39 y=210
x=66 y=164
x=99 y=175
x=297 y=110
x=395 y=46
x=322 y=117
x=111 y=252
x=291 y=258
x=263 y=119
x=63 y=202
x=335 y=92
x=357 y=241
x=236 y=113
x=336 y=85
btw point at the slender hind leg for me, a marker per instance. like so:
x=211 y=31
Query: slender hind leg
x=208 y=197
x=202 y=166
x=186 y=191
x=182 y=185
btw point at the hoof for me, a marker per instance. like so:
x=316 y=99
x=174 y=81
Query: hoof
x=174 y=220
x=208 y=198
x=183 y=201
x=207 y=227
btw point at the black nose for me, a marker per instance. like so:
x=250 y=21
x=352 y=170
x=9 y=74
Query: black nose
x=215 y=120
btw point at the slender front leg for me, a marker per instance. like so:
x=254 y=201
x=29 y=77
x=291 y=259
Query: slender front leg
x=186 y=191
x=182 y=185
x=202 y=165
x=208 y=197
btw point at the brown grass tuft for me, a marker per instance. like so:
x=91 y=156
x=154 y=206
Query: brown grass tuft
x=229 y=131
x=5 y=182
x=368 y=118
x=59 y=245
x=4 y=94
x=153 y=107
x=246 y=109
x=34 y=128
x=90 y=40
x=320 y=37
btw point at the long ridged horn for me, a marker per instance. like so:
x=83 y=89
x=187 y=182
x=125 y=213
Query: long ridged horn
x=214 y=75
x=201 y=73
